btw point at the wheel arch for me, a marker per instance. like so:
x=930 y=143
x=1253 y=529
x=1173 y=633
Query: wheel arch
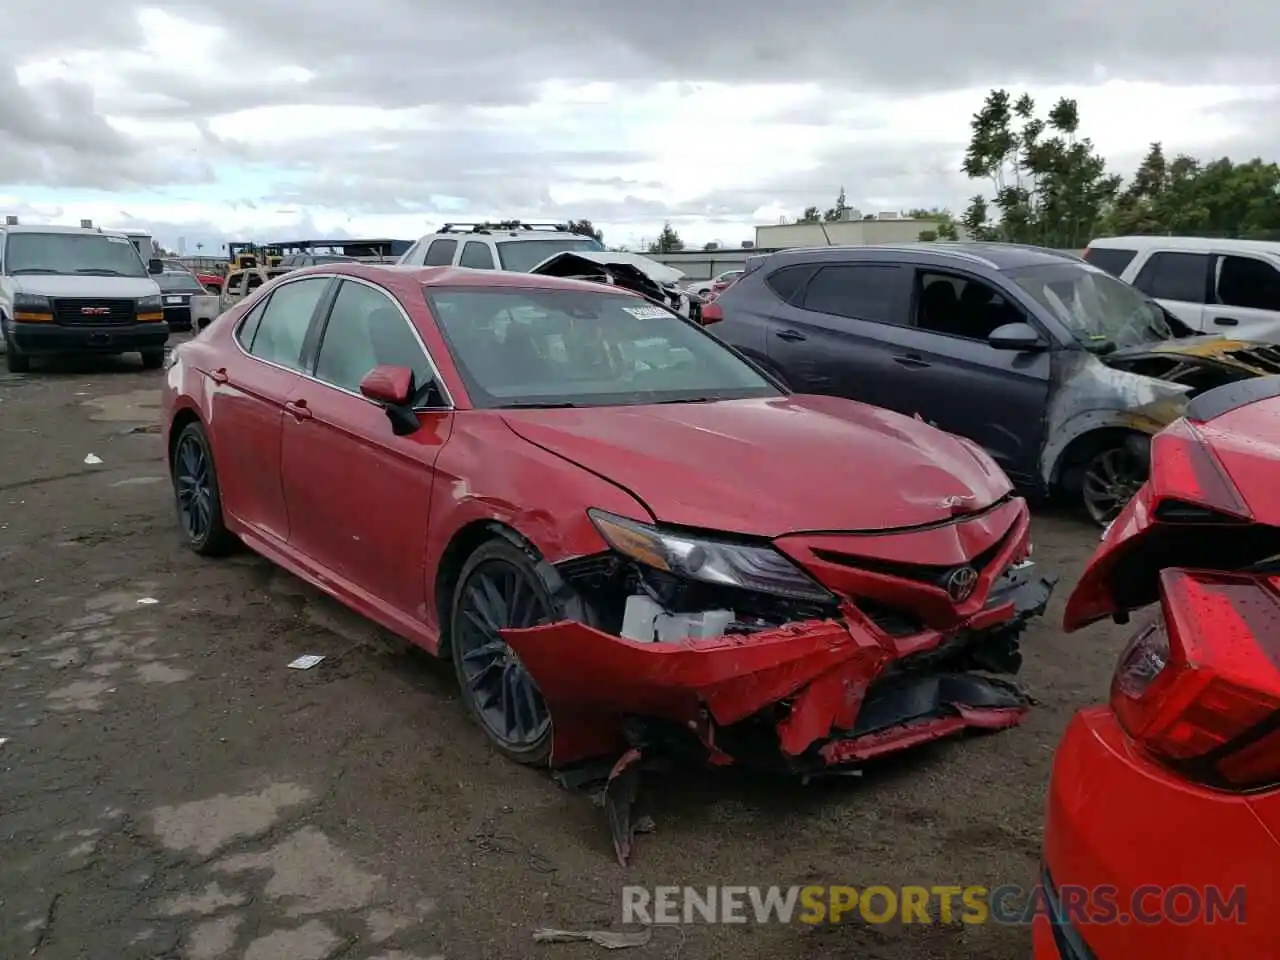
x=1078 y=452
x=181 y=420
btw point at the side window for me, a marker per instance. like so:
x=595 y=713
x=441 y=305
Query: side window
x=249 y=325
x=365 y=330
x=1111 y=259
x=235 y=284
x=255 y=281
x=285 y=320
x=961 y=306
x=1175 y=276
x=476 y=255
x=440 y=253
x=1246 y=282
x=788 y=282
x=863 y=291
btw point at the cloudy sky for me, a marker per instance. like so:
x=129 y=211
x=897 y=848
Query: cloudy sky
x=388 y=117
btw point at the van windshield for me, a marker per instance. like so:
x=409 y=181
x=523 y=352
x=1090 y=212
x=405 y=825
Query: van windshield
x=86 y=254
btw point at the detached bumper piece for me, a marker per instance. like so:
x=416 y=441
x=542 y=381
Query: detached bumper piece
x=802 y=699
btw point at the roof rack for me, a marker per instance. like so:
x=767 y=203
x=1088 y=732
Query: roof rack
x=502 y=226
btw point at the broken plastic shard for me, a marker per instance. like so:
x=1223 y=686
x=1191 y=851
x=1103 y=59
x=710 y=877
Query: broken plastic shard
x=609 y=939
x=93 y=458
x=305 y=662
x=147 y=601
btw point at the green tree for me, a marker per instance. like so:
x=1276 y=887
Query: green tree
x=585 y=228
x=668 y=240
x=838 y=211
x=1050 y=185
x=945 y=224
x=810 y=215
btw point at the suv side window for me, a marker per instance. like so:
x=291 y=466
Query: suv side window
x=440 y=253
x=960 y=306
x=1246 y=282
x=788 y=282
x=476 y=255
x=365 y=330
x=285 y=321
x=1111 y=259
x=864 y=291
x=1175 y=276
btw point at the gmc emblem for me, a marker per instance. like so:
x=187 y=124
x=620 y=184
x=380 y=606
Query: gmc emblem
x=95 y=311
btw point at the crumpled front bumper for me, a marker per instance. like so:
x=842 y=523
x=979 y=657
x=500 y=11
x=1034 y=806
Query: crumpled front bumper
x=798 y=698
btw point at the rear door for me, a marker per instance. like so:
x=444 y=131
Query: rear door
x=249 y=395
x=358 y=495
x=829 y=335
x=1246 y=298
x=1181 y=282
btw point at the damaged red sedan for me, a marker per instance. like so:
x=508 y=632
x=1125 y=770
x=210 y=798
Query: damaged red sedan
x=626 y=536
x=1164 y=805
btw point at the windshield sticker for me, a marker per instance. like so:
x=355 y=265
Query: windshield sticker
x=646 y=313
x=118 y=239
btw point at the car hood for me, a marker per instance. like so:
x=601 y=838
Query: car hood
x=1243 y=357
x=776 y=466
x=571 y=260
x=48 y=285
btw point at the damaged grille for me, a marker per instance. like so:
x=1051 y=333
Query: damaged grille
x=1265 y=358
x=931 y=574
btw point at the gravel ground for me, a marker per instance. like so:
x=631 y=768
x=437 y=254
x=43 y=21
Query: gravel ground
x=168 y=788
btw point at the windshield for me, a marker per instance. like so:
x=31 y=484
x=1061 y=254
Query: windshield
x=574 y=348
x=523 y=255
x=175 y=282
x=90 y=254
x=1101 y=311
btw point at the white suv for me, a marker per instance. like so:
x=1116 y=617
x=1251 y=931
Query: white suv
x=509 y=245
x=1225 y=287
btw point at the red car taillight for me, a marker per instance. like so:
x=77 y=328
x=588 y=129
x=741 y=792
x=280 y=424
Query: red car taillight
x=1198 y=688
x=711 y=313
x=1188 y=477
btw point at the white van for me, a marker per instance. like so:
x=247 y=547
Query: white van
x=1225 y=287
x=77 y=290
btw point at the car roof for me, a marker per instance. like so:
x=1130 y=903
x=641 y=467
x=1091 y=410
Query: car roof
x=996 y=256
x=1184 y=244
x=455 y=277
x=51 y=228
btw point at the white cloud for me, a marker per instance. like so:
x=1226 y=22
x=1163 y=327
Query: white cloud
x=389 y=116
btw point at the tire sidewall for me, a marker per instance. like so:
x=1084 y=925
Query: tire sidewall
x=500 y=550
x=209 y=541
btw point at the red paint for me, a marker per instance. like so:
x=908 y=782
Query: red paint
x=314 y=479
x=1174 y=781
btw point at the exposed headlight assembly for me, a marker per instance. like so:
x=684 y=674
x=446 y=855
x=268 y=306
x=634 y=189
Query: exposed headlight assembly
x=746 y=566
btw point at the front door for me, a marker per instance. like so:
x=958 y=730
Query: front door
x=959 y=383
x=359 y=495
x=1180 y=282
x=248 y=398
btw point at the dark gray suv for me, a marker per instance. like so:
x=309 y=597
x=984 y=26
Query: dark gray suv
x=1059 y=370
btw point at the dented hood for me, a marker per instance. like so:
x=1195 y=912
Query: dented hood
x=772 y=467
x=1244 y=356
x=574 y=261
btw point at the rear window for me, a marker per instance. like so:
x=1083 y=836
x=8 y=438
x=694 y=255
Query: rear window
x=1111 y=259
x=523 y=255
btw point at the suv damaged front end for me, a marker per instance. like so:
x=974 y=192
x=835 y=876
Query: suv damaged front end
x=805 y=654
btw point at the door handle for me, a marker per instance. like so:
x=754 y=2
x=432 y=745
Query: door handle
x=789 y=335
x=299 y=409
x=910 y=360
x=1226 y=321
x=220 y=375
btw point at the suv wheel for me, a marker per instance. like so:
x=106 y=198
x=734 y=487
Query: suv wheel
x=14 y=361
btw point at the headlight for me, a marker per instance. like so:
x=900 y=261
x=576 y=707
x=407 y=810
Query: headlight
x=150 y=304
x=31 y=303
x=749 y=567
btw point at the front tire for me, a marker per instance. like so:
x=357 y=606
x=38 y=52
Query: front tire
x=152 y=359
x=14 y=361
x=1110 y=479
x=501 y=587
x=196 y=494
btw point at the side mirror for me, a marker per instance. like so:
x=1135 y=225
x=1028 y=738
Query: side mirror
x=388 y=384
x=155 y=266
x=1018 y=337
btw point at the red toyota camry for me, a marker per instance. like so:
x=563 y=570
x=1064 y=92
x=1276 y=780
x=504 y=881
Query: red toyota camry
x=1164 y=806
x=623 y=533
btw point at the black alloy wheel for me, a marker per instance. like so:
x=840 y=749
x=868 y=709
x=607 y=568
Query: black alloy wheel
x=195 y=487
x=1111 y=478
x=500 y=588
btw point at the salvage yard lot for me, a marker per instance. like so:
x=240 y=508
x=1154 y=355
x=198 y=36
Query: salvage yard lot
x=168 y=787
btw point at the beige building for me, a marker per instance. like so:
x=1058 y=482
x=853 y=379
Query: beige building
x=885 y=228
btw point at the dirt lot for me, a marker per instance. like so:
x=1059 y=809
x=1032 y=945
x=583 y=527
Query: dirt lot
x=169 y=789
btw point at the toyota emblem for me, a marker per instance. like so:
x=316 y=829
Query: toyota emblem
x=960 y=583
